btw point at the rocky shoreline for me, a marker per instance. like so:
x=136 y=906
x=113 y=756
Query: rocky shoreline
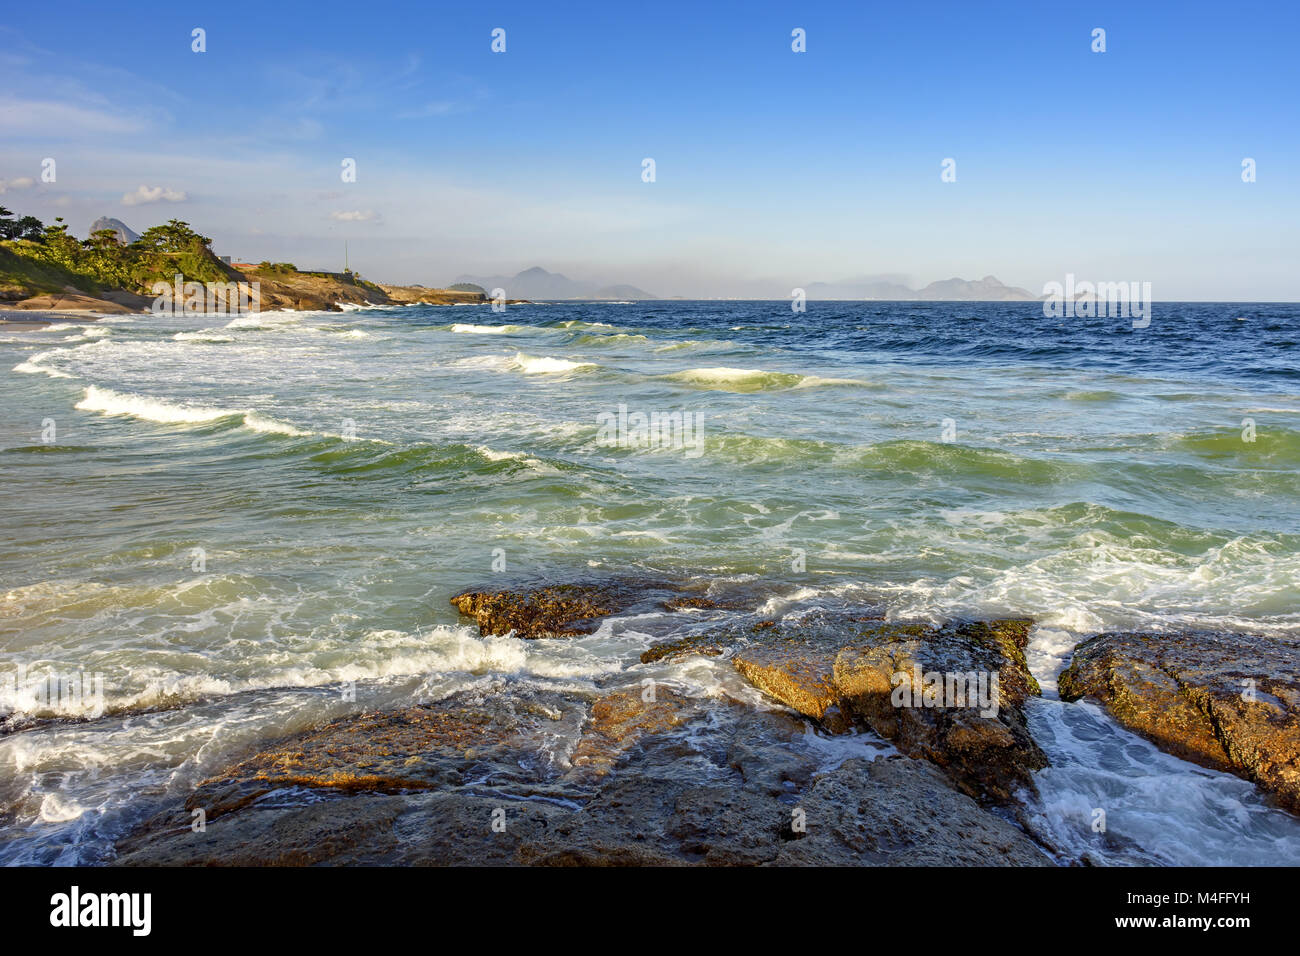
x=935 y=758
x=1230 y=702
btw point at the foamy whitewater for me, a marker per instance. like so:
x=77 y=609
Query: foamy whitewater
x=232 y=517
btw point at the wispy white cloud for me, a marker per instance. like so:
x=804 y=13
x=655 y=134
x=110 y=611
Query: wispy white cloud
x=149 y=194
x=355 y=215
x=22 y=182
x=30 y=117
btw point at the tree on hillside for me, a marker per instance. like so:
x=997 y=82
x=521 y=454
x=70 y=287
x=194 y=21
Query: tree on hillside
x=102 y=238
x=28 y=227
x=107 y=260
x=59 y=247
x=174 y=236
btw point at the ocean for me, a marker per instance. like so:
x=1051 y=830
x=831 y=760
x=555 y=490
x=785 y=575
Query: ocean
x=223 y=519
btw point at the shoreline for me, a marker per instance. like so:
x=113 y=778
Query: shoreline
x=41 y=318
x=913 y=782
x=19 y=319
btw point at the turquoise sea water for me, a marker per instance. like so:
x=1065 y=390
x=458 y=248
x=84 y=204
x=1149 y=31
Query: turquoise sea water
x=231 y=517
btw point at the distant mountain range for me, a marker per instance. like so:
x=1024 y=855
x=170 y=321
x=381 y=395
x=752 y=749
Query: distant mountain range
x=537 y=283
x=988 y=289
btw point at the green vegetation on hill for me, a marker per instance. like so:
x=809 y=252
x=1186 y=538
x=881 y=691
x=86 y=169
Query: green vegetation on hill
x=35 y=258
x=38 y=260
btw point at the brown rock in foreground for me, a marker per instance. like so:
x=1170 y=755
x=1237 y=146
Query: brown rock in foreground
x=928 y=690
x=900 y=812
x=1226 y=701
x=799 y=671
x=620 y=719
x=680 y=782
x=417 y=748
x=887 y=812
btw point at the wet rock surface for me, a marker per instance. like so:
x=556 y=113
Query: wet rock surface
x=620 y=720
x=663 y=782
x=634 y=771
x=901 y=812
x=573 y=608
x=1226 y=701
x=426 y=747
x=916 y=685
x=568 y=609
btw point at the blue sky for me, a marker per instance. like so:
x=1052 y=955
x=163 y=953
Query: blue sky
x=774 y=169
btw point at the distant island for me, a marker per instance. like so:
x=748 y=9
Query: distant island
x=537 y=283
x=988 y=289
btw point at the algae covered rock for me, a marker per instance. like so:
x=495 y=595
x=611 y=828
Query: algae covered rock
x=797 y=669
x=556 y=610
x=953 y=694
x=1226 y=701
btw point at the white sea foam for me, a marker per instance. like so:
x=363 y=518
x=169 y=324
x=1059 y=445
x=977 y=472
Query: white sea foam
x=754 y=379
x=546 y=365
x=203 y=335
x=269 y=320
x=535 y=464
x=465 y=327
x=109 y=402
x=33 y=366
x=816 y=381
x=262 y=423
x=720 y=374
x=371 y=307
x=579 y=324
x=725 y=379
x=88 y=332
x=1158 y=809
x=106 y=401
